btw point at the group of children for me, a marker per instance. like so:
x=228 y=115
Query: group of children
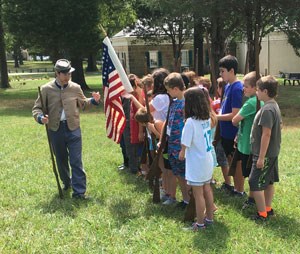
x=243 y=139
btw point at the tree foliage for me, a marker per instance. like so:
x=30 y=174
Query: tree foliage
x=163 y=20
x=290 y=24
x=63 y=29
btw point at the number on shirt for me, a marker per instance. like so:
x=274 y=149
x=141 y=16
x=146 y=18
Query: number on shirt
x=207 y=136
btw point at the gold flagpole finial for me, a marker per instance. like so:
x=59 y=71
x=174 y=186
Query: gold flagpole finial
x=102 y=30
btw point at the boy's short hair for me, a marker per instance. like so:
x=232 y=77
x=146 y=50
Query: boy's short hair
x=250 y=78
x=173 y=80
x=142 y=116
x=270 y=84
x=229 y=62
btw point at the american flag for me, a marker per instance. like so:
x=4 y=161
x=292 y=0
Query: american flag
x=115 y=82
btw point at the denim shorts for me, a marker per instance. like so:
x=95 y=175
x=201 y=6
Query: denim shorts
x=197 y=183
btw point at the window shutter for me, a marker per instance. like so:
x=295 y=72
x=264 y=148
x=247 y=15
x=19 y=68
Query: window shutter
x=159 y=56
x=190 y=57
x=147 y=55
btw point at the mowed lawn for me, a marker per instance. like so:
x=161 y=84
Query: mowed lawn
x=120 y=217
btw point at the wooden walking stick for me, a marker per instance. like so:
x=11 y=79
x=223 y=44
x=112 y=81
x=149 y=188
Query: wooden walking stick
x=190 y=212
x=149 y=120
x=61 y=195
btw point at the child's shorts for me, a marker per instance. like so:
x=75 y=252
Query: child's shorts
x=167 y=164
x=221 y=156
x=178 y=166
x=228 y=146
x=166 y=161
x=259 y=179
x=244 y=159
x=197 y=183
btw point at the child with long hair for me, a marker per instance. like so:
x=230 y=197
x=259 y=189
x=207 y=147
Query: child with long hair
x=196 y=149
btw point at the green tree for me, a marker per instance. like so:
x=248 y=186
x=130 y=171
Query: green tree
x=114 y=16
x=290 y=24
x=64 y=29
x=161 y=20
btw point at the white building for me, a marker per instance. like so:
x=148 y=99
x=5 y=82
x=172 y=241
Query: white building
x=276 y=56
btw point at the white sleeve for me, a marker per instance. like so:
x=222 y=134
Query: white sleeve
x=159 y=102
x=187 y=133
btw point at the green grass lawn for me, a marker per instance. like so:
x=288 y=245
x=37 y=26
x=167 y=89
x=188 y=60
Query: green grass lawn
x=121 y=218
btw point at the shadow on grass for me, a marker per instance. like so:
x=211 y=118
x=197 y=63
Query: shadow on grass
x=280 y=224
x=67 y=206
x=139 y=184
x=150 y=208
x=122 y=211
x=212 y=239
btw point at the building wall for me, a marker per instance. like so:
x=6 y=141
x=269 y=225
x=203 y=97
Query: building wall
x=135 y=50
x=138 y=60
x=276 y=56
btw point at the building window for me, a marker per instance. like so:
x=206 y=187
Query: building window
x=122 y=58
x=153 y=59
x=185 y=58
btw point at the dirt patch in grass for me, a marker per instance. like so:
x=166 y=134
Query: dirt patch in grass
x=17 y=104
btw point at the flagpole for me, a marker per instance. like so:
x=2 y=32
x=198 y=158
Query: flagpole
x=103 y=30
x=117 y=63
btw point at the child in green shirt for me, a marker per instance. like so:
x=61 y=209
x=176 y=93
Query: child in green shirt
x=244 y=119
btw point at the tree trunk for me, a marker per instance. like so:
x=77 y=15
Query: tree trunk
x=78 y=74
x=198 y=46
x=16 y=57
x=217 y=48
x=250 y=36
x=21 y=62
x=92 y=65
x=4 y=83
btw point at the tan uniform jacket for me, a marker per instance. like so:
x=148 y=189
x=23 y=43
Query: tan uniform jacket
x=71 y=99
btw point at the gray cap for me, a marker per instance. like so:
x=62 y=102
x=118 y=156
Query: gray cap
x=63 y=65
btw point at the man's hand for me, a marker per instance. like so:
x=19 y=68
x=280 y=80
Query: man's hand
x=45 y=119
x=96 y=96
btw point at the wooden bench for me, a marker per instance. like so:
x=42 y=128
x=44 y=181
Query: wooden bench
x=292 y=77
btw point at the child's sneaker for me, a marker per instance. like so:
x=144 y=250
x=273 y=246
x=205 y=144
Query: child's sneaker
x=169 y=201
x=182 y=205
x=226 y=187
x=248 y=204
x=163 y=198
x=196 y=227
x=208 y=222
x=238 y=194
x=258 y=218
x=271 y=213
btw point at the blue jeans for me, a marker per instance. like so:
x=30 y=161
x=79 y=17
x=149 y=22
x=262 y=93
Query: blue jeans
x=67 y=146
